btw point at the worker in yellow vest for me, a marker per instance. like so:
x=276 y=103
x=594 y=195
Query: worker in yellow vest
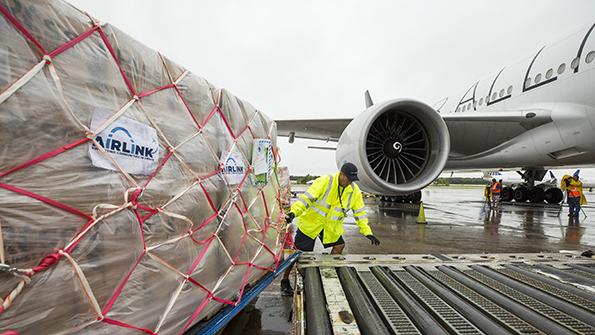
x=487 y=193
x=321 y=211
x=574 y=191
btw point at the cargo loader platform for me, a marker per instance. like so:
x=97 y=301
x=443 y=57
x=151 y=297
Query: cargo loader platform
x=445 y=294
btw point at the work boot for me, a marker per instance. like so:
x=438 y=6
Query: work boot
x=286 y=288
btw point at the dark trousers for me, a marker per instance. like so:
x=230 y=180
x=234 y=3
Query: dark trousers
x=574 y=205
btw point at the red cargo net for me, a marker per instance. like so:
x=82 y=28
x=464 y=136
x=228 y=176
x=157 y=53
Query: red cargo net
x=133 y=197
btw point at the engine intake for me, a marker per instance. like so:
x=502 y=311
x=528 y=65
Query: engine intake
x=399 y=146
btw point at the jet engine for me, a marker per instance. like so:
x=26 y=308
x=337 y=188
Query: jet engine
x=399 y=146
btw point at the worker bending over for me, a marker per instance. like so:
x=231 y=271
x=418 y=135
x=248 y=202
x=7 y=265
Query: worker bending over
x=321 y=210
x=574 y=190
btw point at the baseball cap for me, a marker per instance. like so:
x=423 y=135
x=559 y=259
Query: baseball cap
x=350 y=171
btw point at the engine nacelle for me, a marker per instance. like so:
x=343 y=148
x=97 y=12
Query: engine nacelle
x=399 y=146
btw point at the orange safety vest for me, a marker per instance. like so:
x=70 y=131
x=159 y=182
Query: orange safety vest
x=573 y=192
x=495 y=188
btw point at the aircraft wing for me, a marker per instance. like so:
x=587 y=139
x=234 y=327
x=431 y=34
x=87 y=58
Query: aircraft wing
x=331 y=129
x=315 y=129
x=527 y=119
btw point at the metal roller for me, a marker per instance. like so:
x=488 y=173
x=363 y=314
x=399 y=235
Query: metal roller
x=317 y=319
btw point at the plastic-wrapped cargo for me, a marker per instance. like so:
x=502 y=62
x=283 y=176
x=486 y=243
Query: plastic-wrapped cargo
x=127 y=200
x=285 y=186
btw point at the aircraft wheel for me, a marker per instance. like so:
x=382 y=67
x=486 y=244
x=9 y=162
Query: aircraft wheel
x=507 y=194
x=520 y=194
x=554 y=195
x=415 y=197
x=536 y=195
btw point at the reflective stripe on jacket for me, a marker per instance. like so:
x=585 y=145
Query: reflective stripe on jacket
x=319 y=209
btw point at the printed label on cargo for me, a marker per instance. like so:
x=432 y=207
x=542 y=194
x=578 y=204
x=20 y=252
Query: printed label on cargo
x=234 y=167
x=133 y=145
x=262 y=159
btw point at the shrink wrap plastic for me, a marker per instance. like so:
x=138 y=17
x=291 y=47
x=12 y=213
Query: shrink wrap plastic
x=146 y=236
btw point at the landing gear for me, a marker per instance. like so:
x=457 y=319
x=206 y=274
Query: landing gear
x=413 y=198
x=554 y=196
x=536 y=195
x=520 y=194
x=545 y=191
x=507 y=194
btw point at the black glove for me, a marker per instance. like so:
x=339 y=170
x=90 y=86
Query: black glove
x=567 y=182
x=373 y=240
x=289 y=217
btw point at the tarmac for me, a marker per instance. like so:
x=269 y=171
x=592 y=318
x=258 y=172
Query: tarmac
x=458 y=221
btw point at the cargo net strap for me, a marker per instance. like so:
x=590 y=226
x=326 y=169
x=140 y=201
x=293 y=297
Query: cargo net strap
x=132 y=197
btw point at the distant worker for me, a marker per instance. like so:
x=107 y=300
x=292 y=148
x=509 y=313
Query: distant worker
x=487 y=192
x=496 y=188
x=574 y=190
x=321 y=210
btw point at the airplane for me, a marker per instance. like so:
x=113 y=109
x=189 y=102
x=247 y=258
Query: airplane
x=534 y=115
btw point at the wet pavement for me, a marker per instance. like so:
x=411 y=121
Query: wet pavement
x=459 y=221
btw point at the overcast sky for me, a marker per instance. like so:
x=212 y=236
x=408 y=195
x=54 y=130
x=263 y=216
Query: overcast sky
x=313 y=59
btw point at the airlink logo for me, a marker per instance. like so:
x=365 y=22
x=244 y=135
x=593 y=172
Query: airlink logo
x=124 y=145
x=232 y=167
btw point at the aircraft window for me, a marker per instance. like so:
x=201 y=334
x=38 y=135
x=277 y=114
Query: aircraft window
x=549 y=74
x=469 y=106
x=538 y=78
x=590 y=57
x=501 y=93
x=494 y=96
x=481 y=101
x=561 y=68
x=528 y=82
x=509 y=90
x=458 y=110
x=574 y=63
x=463 y=109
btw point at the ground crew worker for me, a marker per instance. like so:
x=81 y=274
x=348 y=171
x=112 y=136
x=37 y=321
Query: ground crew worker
x=496 y=188
x=487 y=192
x=574 y=190
x=321 y=210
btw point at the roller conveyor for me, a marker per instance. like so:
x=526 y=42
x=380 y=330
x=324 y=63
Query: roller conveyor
x=451 y=294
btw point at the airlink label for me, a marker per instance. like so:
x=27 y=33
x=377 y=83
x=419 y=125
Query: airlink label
x=234 y=167
x=133 y=145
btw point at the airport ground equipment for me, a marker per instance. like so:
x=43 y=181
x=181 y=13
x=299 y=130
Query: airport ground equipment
x=545 y=293
x=221 y=319
x=132 y=199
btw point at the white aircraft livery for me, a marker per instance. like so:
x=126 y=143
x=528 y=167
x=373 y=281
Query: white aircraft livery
x=534 y=115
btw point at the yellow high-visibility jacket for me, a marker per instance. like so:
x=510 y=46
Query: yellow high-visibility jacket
x=320 y=209
x=573 y=183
